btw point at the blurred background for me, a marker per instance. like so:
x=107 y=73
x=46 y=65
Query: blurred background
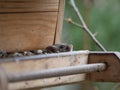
x=102 y=17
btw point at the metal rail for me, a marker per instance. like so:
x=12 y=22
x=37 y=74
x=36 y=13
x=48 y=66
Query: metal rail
x=41 y=56
x=63 y=54
x=56 y=72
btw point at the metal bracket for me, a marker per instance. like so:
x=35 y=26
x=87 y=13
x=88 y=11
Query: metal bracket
x=112 y=72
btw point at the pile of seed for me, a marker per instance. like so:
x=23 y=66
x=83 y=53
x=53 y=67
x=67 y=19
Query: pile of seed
x=4 y=54
x=50 y=49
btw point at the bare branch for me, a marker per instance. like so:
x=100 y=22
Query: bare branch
x=84 y=26
x=74 y=23
x=95 y=34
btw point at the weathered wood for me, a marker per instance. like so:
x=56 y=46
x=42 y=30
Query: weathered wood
x=77 y=58
x=112 y=73
x=45 y=62
x=59 y=23
x=3 y=80
x=27 y=31
x=28 y=5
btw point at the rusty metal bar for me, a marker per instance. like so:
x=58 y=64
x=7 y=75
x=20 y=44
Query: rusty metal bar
x=56 y=72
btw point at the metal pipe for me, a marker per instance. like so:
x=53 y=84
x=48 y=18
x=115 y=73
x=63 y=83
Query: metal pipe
x=63 y=54
x=56 y=72
x=41 y=56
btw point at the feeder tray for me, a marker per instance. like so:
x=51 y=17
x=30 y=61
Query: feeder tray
x=61 y=68
x=36 y=24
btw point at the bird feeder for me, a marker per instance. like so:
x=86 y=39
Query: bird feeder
x=36 y=24
x=29 y=25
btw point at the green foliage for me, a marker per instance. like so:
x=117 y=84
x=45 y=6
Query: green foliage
x=72 y=34
x=104 y=19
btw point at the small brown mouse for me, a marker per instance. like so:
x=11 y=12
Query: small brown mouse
x=59 y=48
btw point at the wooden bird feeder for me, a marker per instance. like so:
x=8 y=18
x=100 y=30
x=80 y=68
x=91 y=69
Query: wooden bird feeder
x=30 y=25
x=35 y=24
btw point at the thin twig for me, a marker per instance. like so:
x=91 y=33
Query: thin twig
x=74 y=23
x=84 y=26
x=89 y=33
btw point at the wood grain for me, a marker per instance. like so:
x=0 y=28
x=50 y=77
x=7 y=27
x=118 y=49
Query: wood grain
x=28 y=5
x=46 y=63
x=27 y=31
x=59 y=23
x=112 y=72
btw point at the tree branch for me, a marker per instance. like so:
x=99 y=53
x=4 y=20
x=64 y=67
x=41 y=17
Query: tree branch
x=74 y=23
x=84 y=26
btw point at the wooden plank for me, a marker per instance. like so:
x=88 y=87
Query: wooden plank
x=27 y=31
x=78 y=58
x=44 y=62
x=112 y=72
x=28 y=5
x=59 y=23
